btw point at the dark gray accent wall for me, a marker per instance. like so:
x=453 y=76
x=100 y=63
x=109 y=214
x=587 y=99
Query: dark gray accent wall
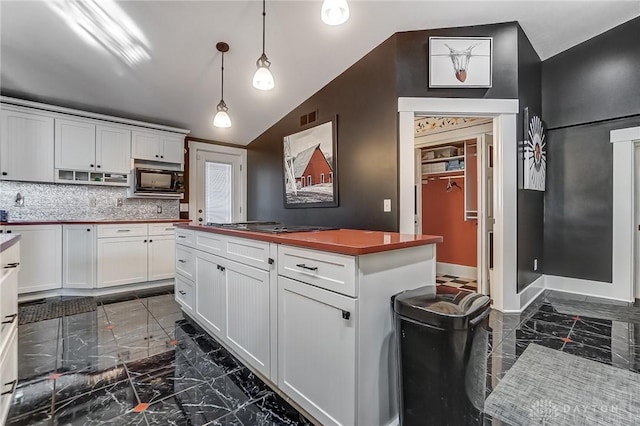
x=596 y=80
x=530 y=203
x=578 y=202
x=587 y=91
x=364 y=99
x=413 y=62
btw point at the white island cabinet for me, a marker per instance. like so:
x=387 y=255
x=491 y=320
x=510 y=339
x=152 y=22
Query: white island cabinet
x=9 y=268
x=315 y=307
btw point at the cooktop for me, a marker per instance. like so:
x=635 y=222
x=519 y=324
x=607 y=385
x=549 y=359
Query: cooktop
x=268 y=227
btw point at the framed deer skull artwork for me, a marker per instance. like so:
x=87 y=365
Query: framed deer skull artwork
x=460 y=61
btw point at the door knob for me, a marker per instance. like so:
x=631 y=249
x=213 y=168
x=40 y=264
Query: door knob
x=199 y=219
x=199 y=210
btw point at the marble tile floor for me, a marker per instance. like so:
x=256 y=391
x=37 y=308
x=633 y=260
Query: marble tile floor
x=136 y=361
x=597 y=329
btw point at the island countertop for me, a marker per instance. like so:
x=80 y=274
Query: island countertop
x=353 y=242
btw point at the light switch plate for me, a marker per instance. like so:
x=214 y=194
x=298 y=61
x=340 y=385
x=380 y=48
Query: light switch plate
x=387 y=205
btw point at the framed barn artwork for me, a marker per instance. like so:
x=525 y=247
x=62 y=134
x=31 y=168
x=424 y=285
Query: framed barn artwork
x=310 y=178
x=460 y=61
x=535 y=152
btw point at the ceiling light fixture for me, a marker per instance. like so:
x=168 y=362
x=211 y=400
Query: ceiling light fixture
x=262 y=79
x=222 y=118
x=334 y=12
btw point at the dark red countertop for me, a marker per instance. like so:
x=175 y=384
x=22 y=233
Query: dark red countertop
x=344 y=241
x=92 y=222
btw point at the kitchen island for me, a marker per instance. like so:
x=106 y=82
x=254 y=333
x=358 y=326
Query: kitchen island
x=308 y=311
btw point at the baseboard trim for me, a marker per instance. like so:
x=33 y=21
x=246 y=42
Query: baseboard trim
x=532 y=292
x=92 y=291
x=456 y=270
x=581 y=287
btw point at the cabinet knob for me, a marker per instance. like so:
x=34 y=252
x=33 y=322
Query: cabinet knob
x=8 y=231
x=156 y=155
x=346 y=315
x=88 y=229
x=199 y=219
x=162 y=156
x=4 y=173
x=144 y=241
x=150 y=241
x=90 y=165
x=98 y=166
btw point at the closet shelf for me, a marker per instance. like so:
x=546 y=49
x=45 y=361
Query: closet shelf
x=443 y=159
x=445 y=174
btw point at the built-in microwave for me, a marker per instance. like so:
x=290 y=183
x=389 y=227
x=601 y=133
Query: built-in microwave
x=158 y=182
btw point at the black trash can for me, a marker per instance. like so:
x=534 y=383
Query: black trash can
x=441 y=336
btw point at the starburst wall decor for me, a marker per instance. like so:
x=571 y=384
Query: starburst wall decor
x=535 y=152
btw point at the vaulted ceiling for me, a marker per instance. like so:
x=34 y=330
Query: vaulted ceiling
x=179 y=84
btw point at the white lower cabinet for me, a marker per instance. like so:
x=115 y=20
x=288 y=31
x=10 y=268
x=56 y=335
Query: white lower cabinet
x=78 y=256
x=184 y=293
x=8 y=373
x=9 y=268
x=161 y=257
x=121 y=260
x=317 y=350
x=211 y=293
x=41 y=257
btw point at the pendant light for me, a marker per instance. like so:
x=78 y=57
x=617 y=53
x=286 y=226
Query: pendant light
x=334 y=12
x=222 y=118
x=262 y=79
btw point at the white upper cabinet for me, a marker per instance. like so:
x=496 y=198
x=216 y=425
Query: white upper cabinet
x=113 y=149
x=83 y=145
x=75 y=143
x=157 y=147
x=26 y=146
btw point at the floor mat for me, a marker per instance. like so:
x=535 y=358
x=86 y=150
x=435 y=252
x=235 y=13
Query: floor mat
x=50 y=309
x=549 y=387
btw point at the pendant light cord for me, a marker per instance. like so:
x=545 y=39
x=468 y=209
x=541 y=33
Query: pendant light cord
x=222 y=78
x=264 y=14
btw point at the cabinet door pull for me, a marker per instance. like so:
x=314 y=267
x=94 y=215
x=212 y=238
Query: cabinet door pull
x=13 y=318
x=13 y=387
x=181 y=292
x=182 y=236
x=310 y=268
x=168 y=229
x=220 y=268
x=346 y=315
x=182 y=261
x=11 y=265
x=124 y=230
x=271 y=261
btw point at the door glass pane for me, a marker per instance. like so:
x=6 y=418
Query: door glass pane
x=217 y=193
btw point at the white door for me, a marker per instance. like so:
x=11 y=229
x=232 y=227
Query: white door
x=485 y=212
x=219 y=187
x=75 y=145
x=113 y=149
x=121 y=261
x=322 y=381
x=78 y=256
x=211 y=297
x=40 y=257
x=162 y=257
x=248 y=314
x=26 y=147
x=145 y=146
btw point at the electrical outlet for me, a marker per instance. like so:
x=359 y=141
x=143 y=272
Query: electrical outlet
x=158 y=209
x=118 y=202
x=387 y=205
x=535 y=264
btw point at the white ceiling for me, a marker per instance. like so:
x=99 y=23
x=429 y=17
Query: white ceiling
x=43 y=59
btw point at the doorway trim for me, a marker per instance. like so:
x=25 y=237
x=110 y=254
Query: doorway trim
x=624 y=222
x=504 y=112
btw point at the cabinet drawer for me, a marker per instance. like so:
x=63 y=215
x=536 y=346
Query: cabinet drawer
x=335 y=272
x=161 y=229
x=249 y=252
x=184 y=293
x=8 y=300
x=185 y=262
x=185 y=236
x=210 y=243
x=125 y=230
x=8 y=374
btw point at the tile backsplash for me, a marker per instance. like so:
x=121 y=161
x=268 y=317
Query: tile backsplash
x=46 y=201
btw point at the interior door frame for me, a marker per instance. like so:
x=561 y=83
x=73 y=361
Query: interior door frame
x=626 y=285
x=504 y=112
x=194 y=185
